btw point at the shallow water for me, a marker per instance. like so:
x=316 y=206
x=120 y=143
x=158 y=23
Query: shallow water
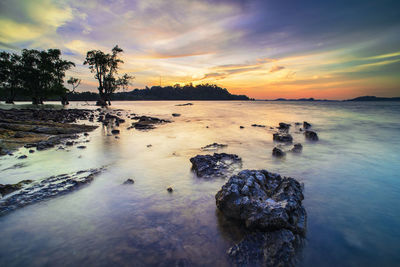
x=351 y=178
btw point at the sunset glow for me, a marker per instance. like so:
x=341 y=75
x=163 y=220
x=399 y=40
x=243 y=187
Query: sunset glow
x=264 y=49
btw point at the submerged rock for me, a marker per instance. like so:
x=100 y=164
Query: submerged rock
x=282 y=137
x=276 y=248
x=187 y=104
x=297 y=148
x=129 y=181
x=277 y=152
x=147 y=123
x=219 y=164
x=213 y=146
x=263 y=200
x=311 y=135
x=47 y=188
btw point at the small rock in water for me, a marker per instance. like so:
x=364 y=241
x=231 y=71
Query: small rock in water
x=258 y=125
x=31 y=151
x=115 y=131
x=170 y=190
x=150 y=145
x=85 y=134
x=116 y=137
x=213 y=146
x=176 y=114
x=277 y=152
x=311 y=135
x=129 y=181
x=297 y=148
x=81 y=147
x=22 y=157
x=306 y=125
x=69 y=143
x=241 y=127
x=284 y=127
x=282 y=137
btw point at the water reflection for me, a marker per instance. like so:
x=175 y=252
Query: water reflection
x=351 y=187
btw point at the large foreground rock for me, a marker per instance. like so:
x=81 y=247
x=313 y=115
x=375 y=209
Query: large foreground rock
x=270 y=206
x=46 y=188
x=263 y=200
x=216 y=165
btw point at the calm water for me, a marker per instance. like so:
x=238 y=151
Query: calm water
x=351 y=177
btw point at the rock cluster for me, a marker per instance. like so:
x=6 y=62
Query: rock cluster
x=216 y=165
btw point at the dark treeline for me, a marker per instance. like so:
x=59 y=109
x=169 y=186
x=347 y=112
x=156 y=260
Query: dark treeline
x=34 y=75
x=176 y=92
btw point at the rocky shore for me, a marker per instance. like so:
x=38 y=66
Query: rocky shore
x=40 y=128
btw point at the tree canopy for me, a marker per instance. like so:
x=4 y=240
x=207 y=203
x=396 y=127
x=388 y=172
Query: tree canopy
x=105 y=68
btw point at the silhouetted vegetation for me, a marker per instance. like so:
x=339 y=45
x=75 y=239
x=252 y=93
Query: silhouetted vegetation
x=105 y=67
x=37 y=75
x=176 y=92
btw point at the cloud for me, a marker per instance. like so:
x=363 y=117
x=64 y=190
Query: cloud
x=276 y=68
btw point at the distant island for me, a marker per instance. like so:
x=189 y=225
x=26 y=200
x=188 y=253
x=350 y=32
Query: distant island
x=360 y=98
x=374 y=98
x=176 y=92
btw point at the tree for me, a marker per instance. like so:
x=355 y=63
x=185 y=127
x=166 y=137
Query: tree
x=10 y=78
x=74 y=82
x=42 y=73
x=105 y=67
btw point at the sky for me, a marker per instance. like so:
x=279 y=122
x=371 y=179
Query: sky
x=265 y=49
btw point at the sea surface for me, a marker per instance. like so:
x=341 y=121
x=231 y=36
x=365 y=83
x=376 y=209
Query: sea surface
x=351 y=178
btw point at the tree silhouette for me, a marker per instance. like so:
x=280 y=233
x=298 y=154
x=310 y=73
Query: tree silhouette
x=10 y=75
x=105 y=67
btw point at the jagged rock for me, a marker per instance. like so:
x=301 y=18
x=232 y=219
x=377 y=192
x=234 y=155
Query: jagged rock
x=47 y=188
x=282 y=137
x=297 y=148
x=258 y=125
x=310 y=135
x=277 y=152
x=271 y=249
x=306 y=125
x=213 y=146
x=129 y=181
x=263 y=200
x=217 y=165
